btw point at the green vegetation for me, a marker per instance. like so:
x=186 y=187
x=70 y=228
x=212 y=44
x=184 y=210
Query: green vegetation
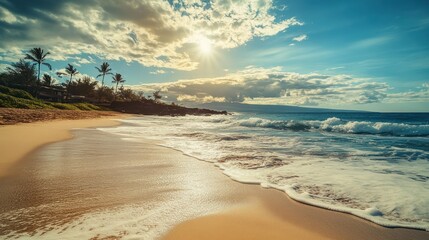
x=104 y=70
x=38 y=56
x=15 y=98
x=15 y=102
x=23 y=85
x=16 y=93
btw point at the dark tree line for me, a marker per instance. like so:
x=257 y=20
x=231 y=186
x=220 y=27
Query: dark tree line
x=27 y=73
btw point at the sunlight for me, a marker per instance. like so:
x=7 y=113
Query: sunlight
x=205 y=45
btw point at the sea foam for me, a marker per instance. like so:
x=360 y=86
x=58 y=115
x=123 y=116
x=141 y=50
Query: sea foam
x=337 y=125
x=375 y=170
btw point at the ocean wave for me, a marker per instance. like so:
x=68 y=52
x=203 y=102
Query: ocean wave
x=334 y=124
x=382 y=181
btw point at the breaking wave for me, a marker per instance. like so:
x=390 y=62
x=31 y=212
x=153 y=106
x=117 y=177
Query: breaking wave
x=338 y=125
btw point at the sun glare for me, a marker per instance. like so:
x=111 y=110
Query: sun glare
x=205 y=45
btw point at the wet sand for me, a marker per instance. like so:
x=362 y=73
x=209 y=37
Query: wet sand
x=98 y=185
x=16 y=141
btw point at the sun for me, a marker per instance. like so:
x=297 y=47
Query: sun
x=204 y=44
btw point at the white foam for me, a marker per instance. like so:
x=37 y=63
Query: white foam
x=312 y=169
x=337 y=125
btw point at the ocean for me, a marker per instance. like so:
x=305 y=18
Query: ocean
x=372 y=165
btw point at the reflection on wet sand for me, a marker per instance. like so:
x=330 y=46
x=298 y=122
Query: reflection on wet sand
x=97 y=176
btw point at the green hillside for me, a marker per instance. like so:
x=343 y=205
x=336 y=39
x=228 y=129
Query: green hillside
x=15 y=98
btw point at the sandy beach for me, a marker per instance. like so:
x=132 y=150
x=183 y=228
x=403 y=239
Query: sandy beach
x=17 y=141
x=101 y=186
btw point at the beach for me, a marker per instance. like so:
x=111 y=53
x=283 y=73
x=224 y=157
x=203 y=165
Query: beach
x=99 y=185
x=42 y=127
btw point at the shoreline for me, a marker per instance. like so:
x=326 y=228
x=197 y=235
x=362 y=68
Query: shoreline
x=19 y=140
x=247 y=211
x=243 y=222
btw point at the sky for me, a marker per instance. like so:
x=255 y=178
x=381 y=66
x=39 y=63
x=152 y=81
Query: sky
x=361 y=55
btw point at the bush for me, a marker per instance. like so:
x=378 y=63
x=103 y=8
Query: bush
x=63 y=106
x=16 y=93
x=14 y=102
x=87 y=106
x=15 y=98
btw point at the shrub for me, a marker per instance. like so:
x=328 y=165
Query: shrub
x=63 y=106
x=16 y=93
x=14 y=102
x=86 y=106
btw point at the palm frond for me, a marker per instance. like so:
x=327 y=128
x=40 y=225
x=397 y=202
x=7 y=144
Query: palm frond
x=47 y=53
x=48 y=65
x=29 y=57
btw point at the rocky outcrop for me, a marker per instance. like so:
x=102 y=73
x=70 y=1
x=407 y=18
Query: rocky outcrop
x=155 y=108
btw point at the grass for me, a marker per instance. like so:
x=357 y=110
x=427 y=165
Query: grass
x=16 y=93
x=15 y=98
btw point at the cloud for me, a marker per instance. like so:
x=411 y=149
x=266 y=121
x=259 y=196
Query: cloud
x=159 y=71
x=372 y=42
x=300 y=38
x=335 y=68
x=273 y=86
x=419 y=95
x=153 y=33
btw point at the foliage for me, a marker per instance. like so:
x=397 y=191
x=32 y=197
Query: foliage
x=117 y=78
x=105 y=94
x=71 y=71
x=47 y=80
x=15 y=102
x=15 y=98
x=38 y=56
x=104 y=70
x=21 y=72
x=22 y=75
x=16 y=93
x=87 y=106
x=127 y=95
x=157 y=95
x=63 y=106
x=84 y=87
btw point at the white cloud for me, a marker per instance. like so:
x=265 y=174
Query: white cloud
x=273 y=86
x=159 y=71
x=300 y=38
x=370 y=42
x=335 y=68
x=419 y=95
x=153 y=33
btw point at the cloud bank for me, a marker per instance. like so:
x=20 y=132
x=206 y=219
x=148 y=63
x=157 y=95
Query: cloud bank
x=273 y=86
x=154 y=33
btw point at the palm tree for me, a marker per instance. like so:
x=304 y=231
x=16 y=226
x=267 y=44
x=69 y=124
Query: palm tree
x=117 y=78
x=38 y=56
x=47 y=80
x=22 y=72
x=157 y=95
x=103 y=70
x=70 y=70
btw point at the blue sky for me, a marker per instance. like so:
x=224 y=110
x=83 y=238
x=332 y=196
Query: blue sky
x=369 y=55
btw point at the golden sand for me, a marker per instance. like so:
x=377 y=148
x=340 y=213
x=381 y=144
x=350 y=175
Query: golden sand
x=16 y=141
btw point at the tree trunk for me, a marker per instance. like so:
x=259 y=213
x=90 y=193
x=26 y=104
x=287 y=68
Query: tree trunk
x=68 y=90
x=38 y=82
x=38 y=74
x=102 y=81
